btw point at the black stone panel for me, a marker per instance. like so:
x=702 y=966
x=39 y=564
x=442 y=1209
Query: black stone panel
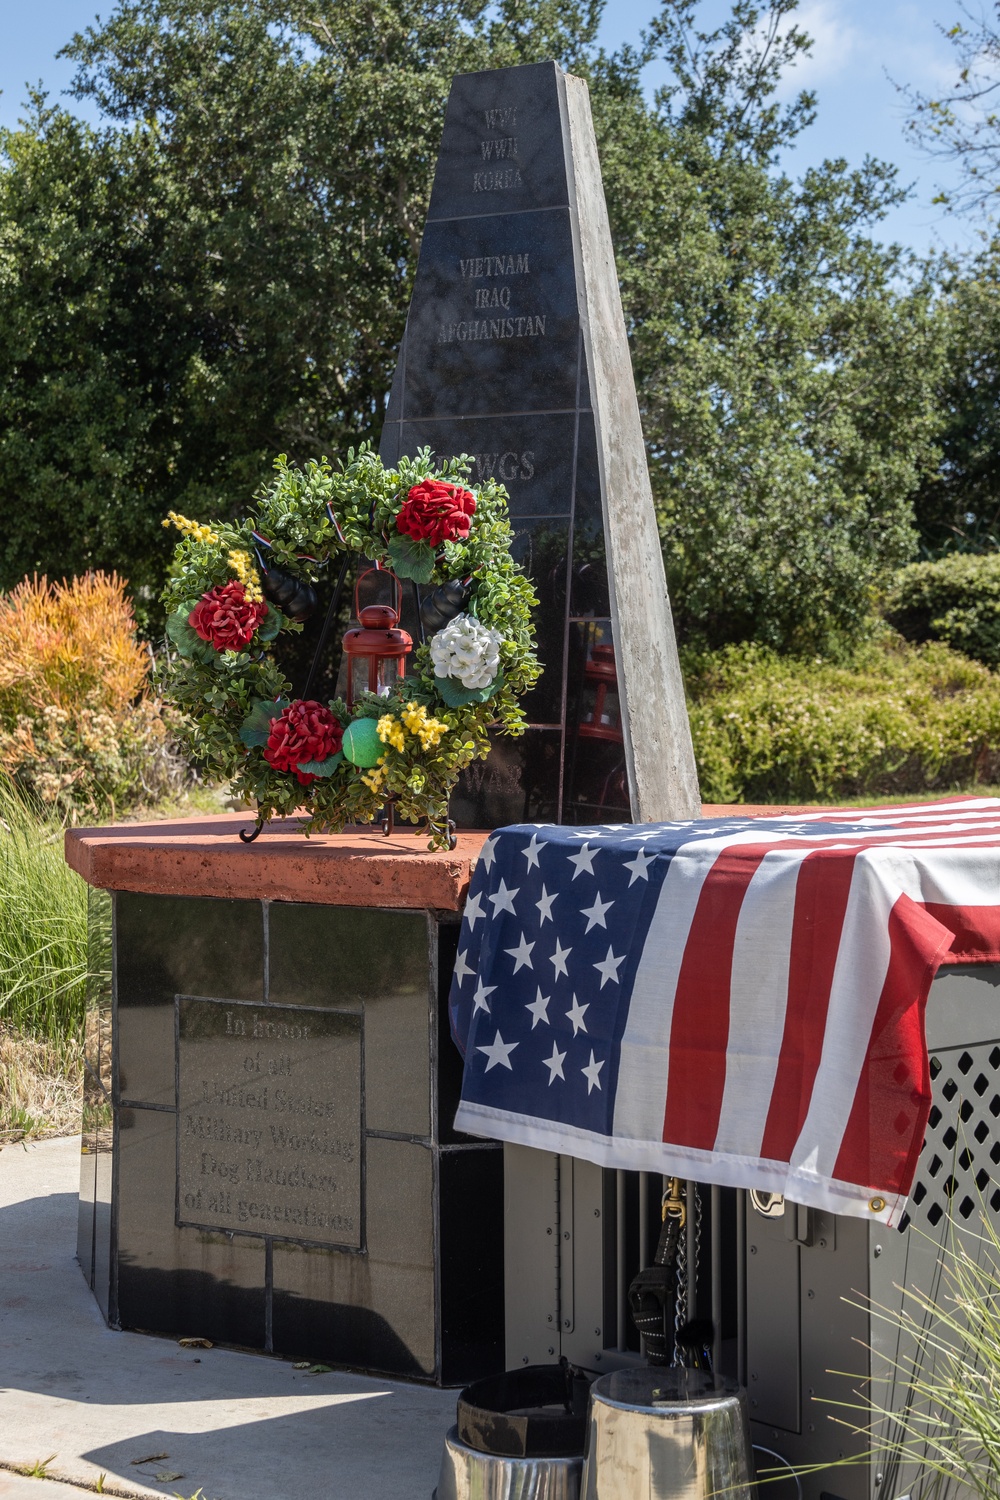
x=502 y=148
x=398 y=1064
x=518 y=783
x=377 y=1310
x=449 y=1059
x=389 y=442
x=322 y=1311
x=170 y=945
x=589 y=511
x=376 y=1304
x=493 y=324
x=541 y=545
x=589 y=590
x=378 y=960
x=344 y=956
x=105 y=1285
x=471 y=1249
x=92 y=1094
x=532 y=456
x=85 y=1215
x=596 y=784
x=179 y=1281
x=590 y=595
x=97 y=1026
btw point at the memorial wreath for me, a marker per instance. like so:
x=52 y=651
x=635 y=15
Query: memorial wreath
x=235 y=586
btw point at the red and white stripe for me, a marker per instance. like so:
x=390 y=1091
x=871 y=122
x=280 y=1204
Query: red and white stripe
x=775 y=1030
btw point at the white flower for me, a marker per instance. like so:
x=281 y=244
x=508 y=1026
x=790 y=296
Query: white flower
x=467 y=650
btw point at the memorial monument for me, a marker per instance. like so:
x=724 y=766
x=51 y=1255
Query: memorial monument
x=269 y=1158
x=515 y=352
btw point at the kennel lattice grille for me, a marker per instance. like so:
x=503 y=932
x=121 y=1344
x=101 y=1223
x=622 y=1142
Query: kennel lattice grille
x=961 y=1149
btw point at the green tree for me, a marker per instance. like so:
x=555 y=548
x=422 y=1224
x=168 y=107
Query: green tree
x=957 y=505
x=962 y=125
x=78 y=389
x=785 y=365
x=221 y=272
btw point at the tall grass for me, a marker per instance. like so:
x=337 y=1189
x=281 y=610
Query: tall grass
x=946 y=1428
x=928 y=1415
x=43 y=928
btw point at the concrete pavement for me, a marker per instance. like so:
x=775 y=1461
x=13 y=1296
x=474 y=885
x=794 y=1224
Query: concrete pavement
x=19 y=1487
x=156 y=1419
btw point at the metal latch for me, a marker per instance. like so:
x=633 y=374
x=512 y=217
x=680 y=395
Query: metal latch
x=768 y=1205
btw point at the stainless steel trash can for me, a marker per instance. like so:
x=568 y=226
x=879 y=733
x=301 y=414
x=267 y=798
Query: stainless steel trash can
x=667 y=1434
x=468 y=1474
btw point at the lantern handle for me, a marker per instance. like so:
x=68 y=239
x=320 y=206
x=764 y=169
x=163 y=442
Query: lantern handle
x=385 y=573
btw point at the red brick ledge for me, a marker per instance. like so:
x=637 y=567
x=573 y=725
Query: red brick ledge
x=204 y=857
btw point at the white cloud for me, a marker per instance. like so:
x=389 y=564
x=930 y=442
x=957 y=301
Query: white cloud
x=836 y=44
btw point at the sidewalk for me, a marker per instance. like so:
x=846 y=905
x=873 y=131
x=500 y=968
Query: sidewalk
x=235 y=1426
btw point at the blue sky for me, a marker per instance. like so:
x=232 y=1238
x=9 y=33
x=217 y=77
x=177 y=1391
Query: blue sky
x=862 y=48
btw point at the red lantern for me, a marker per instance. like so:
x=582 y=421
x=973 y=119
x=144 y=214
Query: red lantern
x=377 y=651
x=601 y=717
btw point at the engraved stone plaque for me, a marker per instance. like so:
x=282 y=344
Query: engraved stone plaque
x=269 y=1126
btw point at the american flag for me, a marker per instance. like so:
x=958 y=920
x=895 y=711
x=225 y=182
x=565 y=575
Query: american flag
x=739 y=1001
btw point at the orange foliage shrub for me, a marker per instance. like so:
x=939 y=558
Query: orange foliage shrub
x=79 y=728
x=69 y=645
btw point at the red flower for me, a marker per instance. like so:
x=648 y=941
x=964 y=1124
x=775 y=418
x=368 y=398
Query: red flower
x=226 y=617
x=435 y=511
x=305 y=731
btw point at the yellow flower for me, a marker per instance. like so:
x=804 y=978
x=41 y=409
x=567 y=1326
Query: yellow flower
x=413 y=717
x=242 y=565
x=431 y=733
x=374 y=778
x=192 y=529
x=391 y=733
x=427 y=730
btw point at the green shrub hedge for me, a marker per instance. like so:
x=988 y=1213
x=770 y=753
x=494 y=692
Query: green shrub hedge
x=955 y=600
x=898 y=719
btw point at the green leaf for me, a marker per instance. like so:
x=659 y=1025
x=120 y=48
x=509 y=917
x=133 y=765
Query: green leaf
x=271 y=624
x=257 y=725
x=411 y=559
x=320 y=767
x=457 y=696
x=184 y=636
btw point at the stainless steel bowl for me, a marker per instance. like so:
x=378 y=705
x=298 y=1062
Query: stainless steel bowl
x=467 y=1474
x=666 y=1434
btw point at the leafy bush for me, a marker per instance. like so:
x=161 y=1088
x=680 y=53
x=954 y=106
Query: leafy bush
x=956 y=600
x=898 y=719
x=78 y=727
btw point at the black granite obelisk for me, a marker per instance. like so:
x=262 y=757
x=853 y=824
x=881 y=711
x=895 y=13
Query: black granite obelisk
x=515 y=352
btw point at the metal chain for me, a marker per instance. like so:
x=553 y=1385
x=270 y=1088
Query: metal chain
x=680 y=1296
x=692 y=1201
x=696 y=1206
